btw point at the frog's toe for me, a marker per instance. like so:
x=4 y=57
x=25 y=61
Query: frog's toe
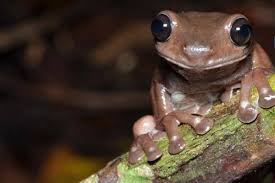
x=248 y=114
x=135 y=155
x=149 y=147
x=204 y=125
x=158 y=135
x=153 y=154
x=267 y=99
x=176 y=145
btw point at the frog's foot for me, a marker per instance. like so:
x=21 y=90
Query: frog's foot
x=144 y=132
x=149 y=147
x=267 y=99
x=135 y=154
x=143 y=144
x=176 y=143
x=201 y=124
x=266 y=94
x=171 y=122
x=201 y=110
x=204 y=125
x=247 y=112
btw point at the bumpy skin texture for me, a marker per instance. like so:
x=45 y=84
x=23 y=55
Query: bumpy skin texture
x=201 y=65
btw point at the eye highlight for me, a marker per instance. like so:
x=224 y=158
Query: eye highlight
x=241 y=32
x=161 y=28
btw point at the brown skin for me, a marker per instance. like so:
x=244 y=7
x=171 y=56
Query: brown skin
x=201 y=65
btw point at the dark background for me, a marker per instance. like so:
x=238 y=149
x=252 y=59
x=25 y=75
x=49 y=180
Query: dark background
x=74 y=76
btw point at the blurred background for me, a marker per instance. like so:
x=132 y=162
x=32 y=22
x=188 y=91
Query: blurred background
x=75 y=75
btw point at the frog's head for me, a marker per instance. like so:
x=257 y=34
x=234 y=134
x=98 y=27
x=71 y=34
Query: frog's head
x=202 y=40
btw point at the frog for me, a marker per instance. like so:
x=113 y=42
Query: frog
x=205 y=58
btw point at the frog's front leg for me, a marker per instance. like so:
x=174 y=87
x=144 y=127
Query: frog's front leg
x=247 y=112
x=258 y=77
x=170 y=118
x=165 y=118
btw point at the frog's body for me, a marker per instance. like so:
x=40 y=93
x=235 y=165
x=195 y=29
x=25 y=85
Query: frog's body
x=207 y=56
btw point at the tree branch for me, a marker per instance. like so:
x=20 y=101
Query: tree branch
x=226 y=153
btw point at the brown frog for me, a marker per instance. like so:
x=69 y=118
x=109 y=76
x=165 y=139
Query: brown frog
x=206 y=55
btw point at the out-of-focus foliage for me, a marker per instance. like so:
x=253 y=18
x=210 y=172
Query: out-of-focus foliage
x=63 y=165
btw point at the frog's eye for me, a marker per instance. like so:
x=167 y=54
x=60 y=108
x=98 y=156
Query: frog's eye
x=161 y=28
x=241 y=32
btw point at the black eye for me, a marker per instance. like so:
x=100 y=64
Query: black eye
x=161 y=28
x=241 y=32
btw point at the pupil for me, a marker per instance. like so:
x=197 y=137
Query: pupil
x=244 y=31
x=241 y=32
x=157 y=26
x=161 y=28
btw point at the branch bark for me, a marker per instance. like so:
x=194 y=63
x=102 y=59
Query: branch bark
x=226 y=153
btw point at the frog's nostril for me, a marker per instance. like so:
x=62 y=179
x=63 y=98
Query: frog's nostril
x=197 y=50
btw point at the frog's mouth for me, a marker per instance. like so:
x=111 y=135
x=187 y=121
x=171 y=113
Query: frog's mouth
x=218 y=73
x=182 y=63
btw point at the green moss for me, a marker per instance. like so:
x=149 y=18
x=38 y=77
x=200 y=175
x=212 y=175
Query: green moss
x=141 y=174
x=195 y=145
x=235 y=146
